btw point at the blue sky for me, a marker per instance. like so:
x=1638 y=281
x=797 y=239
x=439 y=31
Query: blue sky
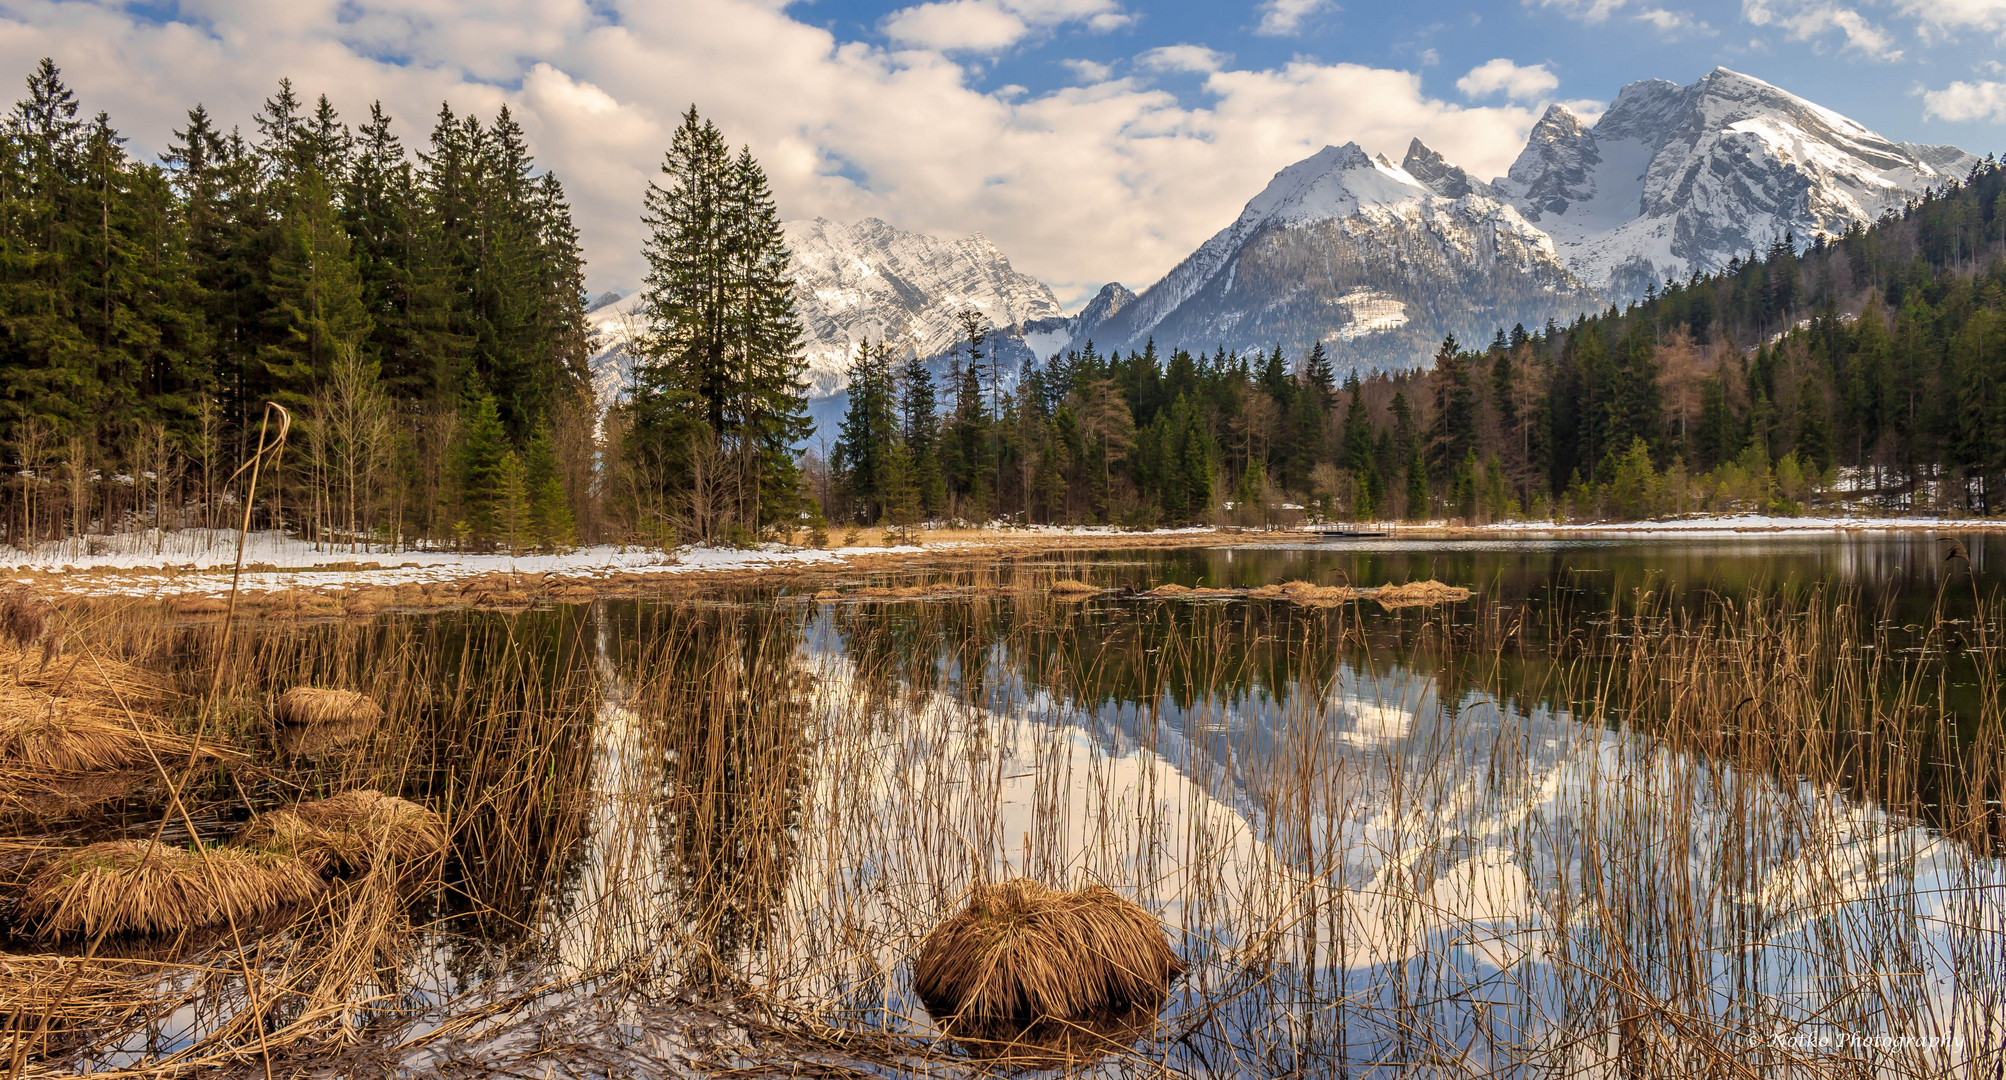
x=1092 y=140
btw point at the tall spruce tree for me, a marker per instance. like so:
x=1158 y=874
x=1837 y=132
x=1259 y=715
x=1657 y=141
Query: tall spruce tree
x=722 y=335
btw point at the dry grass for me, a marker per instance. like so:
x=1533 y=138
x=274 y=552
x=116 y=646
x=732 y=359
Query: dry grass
x=315 y=740
x=1024 y=966
x=44 y=996
x=350 y=831
x=145 y=887
x=1309 y=594
x=315 y=705
x=1072 y=588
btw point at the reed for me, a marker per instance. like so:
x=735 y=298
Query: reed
x=146 y=887
x=306 y=705
x=1024 y=966
x=348 y=832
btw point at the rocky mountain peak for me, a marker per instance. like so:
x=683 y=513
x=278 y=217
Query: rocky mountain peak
x=1436 y=173
x=1673 y=179
x=1555 y=168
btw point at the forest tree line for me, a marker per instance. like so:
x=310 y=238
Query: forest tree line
x=421 y=313
x=1869 y=367
x=421 y=316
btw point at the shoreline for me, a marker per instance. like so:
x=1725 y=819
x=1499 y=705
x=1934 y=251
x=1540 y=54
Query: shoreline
x=288 y=577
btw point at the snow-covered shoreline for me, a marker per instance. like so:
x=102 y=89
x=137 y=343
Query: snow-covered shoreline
x=198 y=564
x=1746 y=523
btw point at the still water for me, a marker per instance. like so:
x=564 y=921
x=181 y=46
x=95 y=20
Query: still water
x=1443 y=840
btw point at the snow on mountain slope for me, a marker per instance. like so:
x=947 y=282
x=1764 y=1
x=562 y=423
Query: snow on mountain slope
x=615 y=324
x=1349 y=247
x=1673 y=179
x=867 y=281
x=872 y=281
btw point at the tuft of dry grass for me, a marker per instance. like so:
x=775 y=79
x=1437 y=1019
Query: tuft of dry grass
x=44 y=996
x=316 y=705
x=1071 y=588
x=1309 y=594
x=146 y=887
x=1028 y=967
x=350 y=831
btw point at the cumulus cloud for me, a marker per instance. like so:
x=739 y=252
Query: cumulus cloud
x=1812 y=20
x=1285 y=18
x=956 y=24
x=1966 y=101
x=1503 y=76
x=1957 y=14
x=1666 y=21
x=1672 y=23
x=1089 y=71
x=1080 y=185
x=1588 y=11
x=994 y=25
x=1183 y=58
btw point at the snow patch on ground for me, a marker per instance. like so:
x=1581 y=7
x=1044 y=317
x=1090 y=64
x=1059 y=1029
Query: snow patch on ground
x=1748 y=523
x=198 y=564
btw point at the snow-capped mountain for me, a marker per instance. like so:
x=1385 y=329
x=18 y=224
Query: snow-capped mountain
x=867 y=281
x=1348 y=248
x=1378 y=260
x=872 y=281
x=1673 y=179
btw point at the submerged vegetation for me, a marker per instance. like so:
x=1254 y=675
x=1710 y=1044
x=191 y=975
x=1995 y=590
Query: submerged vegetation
x=1667 y=836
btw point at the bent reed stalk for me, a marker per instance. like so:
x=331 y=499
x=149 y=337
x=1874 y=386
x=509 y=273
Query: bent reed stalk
x=1721 y=840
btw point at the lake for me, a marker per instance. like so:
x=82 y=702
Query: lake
x=1639 y=806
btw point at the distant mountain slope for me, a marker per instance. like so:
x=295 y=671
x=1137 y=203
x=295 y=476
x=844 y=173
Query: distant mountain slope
x=872 y=281
x=868 y=281
x=1675 y=178
x=1349 y=248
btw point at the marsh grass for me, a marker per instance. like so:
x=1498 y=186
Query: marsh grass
x=1705 y=839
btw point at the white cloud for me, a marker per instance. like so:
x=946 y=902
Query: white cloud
x=975 y=25
x=1588 y=11
x=1957 y=14
x=1089 y=71
x=1673 y=23
x=1808 y=20
x=1183 y=58
x=1430 y=58
x=1284 y=18
x=1515 y=82
x=994 y=25
x=1964 y=101
x=1080 y=185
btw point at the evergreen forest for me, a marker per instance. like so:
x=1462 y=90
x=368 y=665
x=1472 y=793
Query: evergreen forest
x=1867 y=369
x=418 y=316
x=414 y=319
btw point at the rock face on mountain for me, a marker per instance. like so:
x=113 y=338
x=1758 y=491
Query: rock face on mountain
x=867 y=281
x=872 y=281
x=1673 y=179
x=1378 y=260
x=1350 y=249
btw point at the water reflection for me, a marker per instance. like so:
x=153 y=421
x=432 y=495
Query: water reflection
x=1447 y=838
x=1370 y=854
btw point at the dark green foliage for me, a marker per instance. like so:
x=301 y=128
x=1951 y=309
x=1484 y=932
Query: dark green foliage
x=722 y=347
x=151 y=310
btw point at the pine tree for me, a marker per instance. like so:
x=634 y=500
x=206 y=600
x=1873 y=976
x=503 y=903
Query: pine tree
x=1418 y=495
x=869 y=433
x=722 y=334
x=513 y=520
x=479 y=459
x=551 y=523
x=1318 y=377
x=316 y=290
